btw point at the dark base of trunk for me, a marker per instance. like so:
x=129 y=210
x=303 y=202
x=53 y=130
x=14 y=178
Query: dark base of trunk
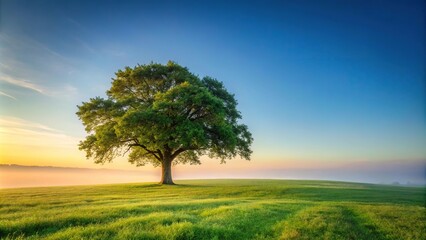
x=167 y=183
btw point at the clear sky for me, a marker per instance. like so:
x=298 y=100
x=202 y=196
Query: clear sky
x=319 y=83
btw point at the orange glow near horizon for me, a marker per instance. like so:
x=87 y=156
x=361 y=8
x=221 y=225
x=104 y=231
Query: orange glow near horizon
x=30 y=144
x=26 y=143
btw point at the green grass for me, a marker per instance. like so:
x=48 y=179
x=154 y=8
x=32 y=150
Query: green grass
x=215 y=209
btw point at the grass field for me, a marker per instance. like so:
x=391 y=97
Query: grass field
x=215 y=209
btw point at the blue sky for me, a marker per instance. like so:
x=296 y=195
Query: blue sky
x=327 y=81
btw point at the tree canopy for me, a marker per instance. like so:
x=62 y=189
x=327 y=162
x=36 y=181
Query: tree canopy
x=163 y=114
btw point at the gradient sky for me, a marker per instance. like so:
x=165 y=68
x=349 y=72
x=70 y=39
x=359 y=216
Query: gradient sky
x=318 y=82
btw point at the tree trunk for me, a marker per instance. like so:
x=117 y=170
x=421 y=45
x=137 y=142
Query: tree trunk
x=166 y=176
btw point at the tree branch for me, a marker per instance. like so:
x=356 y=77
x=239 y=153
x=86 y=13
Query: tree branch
x=177 y=152
x=127 y=150
x=160 y=153
x=128 y=140
x=146 y=149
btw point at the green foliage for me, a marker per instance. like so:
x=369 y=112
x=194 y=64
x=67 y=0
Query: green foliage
x=163 y=113
x=215 y=209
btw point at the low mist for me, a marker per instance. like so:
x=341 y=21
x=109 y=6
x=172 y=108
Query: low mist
x=397 y=172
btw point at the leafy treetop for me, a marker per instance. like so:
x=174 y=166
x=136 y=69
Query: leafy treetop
x=163 y=113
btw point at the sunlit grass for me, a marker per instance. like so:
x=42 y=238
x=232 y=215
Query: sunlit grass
x=215 y=209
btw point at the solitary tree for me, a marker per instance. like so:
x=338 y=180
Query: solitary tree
x=163 y=114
